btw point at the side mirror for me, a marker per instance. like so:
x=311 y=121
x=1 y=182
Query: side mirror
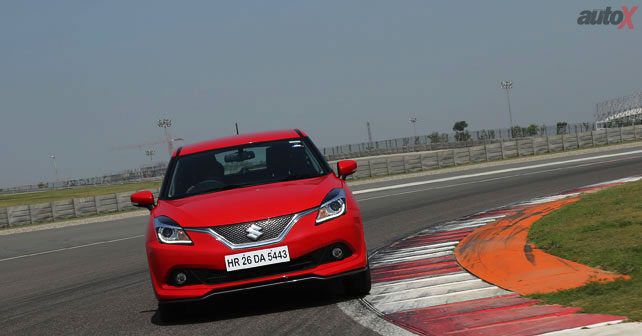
x=346 y=167
x=143 y=199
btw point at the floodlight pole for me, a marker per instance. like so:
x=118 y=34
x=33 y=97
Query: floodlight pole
x=165 y=124
x=413 y=121
x=508 y=85
x=55 y=167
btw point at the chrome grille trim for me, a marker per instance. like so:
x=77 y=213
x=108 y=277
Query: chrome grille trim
x=295 y=218
x=269 y=228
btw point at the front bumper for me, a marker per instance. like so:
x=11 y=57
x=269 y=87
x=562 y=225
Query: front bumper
x=207 y=253
x=266 y=284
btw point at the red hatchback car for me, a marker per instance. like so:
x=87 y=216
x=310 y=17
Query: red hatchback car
x=251 y=211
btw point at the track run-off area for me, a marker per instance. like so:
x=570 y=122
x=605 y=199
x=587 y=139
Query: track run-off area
x=465 y=277
x=93 y=279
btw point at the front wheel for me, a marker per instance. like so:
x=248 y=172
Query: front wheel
x=359 y=284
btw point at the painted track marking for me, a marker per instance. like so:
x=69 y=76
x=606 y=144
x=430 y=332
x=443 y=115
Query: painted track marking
x=70 y=248
x=458 y=177
x=408 y=288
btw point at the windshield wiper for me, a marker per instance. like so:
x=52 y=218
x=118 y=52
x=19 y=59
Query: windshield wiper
x=296 y=177
x=225 y=187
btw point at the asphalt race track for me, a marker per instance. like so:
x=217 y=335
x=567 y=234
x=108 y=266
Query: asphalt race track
x=92 y=279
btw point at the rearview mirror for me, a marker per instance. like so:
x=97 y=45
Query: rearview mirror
x=346 y=167
x=143 y=199
x=239 y=156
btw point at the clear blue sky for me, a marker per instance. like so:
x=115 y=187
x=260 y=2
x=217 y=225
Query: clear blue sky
x=78 y=78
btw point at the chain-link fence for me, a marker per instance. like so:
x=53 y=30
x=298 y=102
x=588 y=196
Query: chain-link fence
x=151 y=172
x=436 y=141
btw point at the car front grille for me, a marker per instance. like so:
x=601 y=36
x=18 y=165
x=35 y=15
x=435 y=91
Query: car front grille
x=270 y=228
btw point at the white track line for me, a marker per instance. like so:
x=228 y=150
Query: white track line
x=622 y=180
x=500 y=171
x=548 y=199
x=70 y=248
x=484 y=180
x=611 y=328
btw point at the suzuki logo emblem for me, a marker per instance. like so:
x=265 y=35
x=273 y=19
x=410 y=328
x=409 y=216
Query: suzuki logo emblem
x=254 y=232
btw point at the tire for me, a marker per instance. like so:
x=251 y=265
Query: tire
x=358 y=285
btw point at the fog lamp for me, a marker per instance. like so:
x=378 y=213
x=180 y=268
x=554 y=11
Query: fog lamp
x=180 y=278
x=337 y=253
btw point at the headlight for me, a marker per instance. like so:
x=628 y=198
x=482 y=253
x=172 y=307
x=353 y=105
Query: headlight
x=333 y=205
x=168 y=232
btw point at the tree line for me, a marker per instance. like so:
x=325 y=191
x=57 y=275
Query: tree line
x=462 y=134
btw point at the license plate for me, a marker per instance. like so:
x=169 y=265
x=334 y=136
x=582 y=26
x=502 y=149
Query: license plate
x=235 y=262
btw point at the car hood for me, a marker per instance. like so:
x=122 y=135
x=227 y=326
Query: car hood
x=249 y=203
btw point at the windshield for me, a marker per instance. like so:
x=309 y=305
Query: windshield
x=242 y=166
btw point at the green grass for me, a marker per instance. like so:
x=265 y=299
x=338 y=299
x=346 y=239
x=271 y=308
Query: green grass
x=60 y=194
x=602 y=230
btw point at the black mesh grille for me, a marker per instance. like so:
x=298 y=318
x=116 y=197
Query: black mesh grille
x=238 y=233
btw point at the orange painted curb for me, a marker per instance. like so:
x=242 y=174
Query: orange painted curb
x=499 y=253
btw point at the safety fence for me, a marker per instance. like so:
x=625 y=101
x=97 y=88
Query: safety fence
x=65 y=209
x=437 y=141
x=145 y=173
x=368 y=167
x=376 y=148
x=384 y=165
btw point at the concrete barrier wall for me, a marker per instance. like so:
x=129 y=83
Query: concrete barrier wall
x=4 y=219
x=106 y=203
x=85 y=206
x=41 y=212
x=374 y=166
x=377 y=166
x=65 y=209
x=18 y=215
x=123 y=202
x=419 y=143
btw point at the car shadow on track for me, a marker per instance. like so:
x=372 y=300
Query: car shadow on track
x=258 y=302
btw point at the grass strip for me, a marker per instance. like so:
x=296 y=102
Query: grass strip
x=46 y=195
x=602 y=230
